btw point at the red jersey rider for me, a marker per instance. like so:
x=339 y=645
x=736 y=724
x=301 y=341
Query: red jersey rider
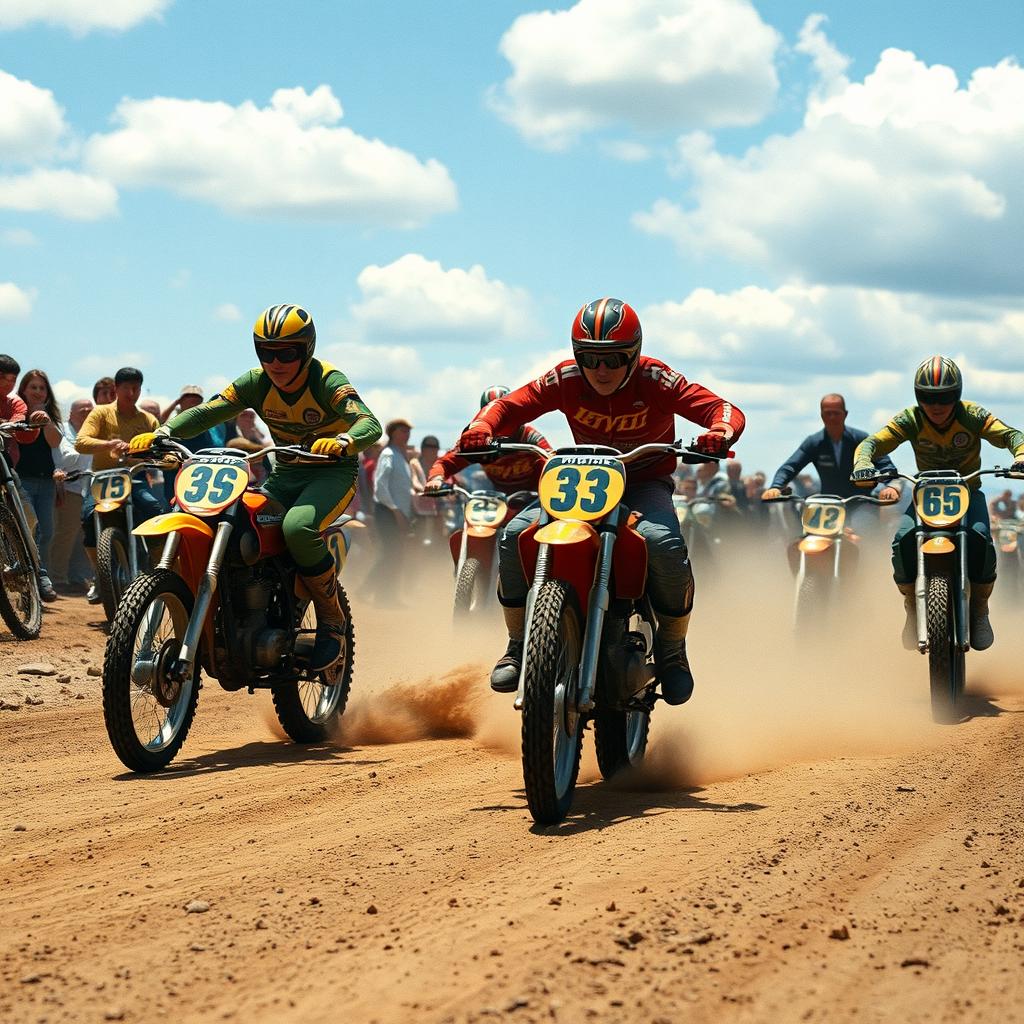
x=516 y=471
x=612 y=395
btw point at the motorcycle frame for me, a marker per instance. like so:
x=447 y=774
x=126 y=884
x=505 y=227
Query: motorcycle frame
x=13 y=499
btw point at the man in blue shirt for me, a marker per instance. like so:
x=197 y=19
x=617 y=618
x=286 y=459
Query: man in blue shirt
x=831 y=451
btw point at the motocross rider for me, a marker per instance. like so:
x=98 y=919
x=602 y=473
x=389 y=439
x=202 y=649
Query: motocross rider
x=612 y=395
x=945 y=433
x=509 y=473
x=303 y=401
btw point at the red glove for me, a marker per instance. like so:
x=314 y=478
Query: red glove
x=476 y=437
x=713 y=443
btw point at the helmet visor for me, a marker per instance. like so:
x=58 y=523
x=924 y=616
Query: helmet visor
x=591 y=359
x=269 y=351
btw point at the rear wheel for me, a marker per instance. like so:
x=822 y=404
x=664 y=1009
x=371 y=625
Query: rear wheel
x=468 y=587
x=309 y=709
x=113 y=568
x=620 y=738
x=946 y=662
x=147 y=710
x=20 y=602
x=552 y=728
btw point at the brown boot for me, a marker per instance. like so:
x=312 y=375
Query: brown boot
x=330 y=620
x=910 y=606
x=981 y=629
x=505 y=674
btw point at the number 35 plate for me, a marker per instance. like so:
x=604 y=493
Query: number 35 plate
x=204 y=487
x=581 y=487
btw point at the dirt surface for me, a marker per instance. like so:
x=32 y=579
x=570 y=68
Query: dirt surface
x=802 y=845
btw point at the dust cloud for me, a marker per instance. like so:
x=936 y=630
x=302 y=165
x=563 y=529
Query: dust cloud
x=764 y=697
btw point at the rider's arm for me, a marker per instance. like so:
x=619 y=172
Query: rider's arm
x=791 y=467
x=446 y=466
x=232 y=400
x=17 y=410
x=531 y=435
x=996 y=432
x=505 y=415
x=699 y=404
x=886 y=440
x=92 y=435
x=360 y=425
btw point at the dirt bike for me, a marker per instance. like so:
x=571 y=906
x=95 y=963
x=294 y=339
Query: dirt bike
x=474 y=544
x=825 y=554
x=1011 y=555
x=588 y=647
x=21 y=604
x=942 y=590
x=224 y=599
x=120 y=552
x=699 y=523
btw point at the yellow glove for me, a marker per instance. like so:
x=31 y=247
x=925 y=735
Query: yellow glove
x=334 y=447
x=141 y=443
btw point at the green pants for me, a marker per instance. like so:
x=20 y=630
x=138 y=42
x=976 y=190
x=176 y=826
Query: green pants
x=314 y=496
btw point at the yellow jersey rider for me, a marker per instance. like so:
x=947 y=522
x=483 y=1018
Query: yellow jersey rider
x=303 y=401
x=945 y=433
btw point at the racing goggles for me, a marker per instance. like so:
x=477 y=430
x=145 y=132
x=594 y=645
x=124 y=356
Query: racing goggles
x=591 y=359
x=269 y=351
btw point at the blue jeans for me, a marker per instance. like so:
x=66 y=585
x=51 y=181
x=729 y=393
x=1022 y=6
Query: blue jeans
x=41 y=494
x=145 y=503
x=669 y=574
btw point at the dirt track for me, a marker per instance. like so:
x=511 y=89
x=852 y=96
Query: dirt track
x=803 y=846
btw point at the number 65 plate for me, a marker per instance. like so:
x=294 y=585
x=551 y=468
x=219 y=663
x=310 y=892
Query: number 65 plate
x=581 y=487
x=205 y=486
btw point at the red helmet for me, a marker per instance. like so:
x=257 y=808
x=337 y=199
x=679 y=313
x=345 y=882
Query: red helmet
x=608 y=331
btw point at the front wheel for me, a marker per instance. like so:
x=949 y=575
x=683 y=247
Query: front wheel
x=468 y=587
x=147 y=708
x=113 y=568
x=552 y=728
x=308 y=710
x=946 y=662
x=21 y=604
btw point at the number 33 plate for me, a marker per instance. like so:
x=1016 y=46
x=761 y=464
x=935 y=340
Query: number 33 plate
x=572 y=488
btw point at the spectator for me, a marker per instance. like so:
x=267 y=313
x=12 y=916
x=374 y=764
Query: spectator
x=13 y=408
x=69 y=566
x=150 y=405
x=1002 y=506
x=367 y=468
x=249 y=438
x=191 y=396
x=392 y=499
x=428 y=513
x=36 y=468
x=733 y=472
x=105 y=435
x=103 y=391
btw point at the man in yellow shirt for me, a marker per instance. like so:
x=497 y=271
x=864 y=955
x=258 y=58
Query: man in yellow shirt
x=105 y=435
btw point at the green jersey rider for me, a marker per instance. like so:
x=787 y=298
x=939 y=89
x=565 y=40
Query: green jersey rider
x=945 y=433
x=303 y=401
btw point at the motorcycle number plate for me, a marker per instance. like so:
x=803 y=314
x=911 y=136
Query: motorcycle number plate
x=941 y=504
x=485 y=511
x=581 y=487
x=823 y=520
x=111 y=486
x=204 y=488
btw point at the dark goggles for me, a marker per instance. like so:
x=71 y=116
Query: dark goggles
x=269 y=351
x=937 y=397
x=592 y=359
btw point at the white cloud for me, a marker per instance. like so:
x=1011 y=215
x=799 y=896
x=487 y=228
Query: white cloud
x=15 y=302
x=63 y=192
x=907 y=181
x=290 y=158
x=106 y=364
x=80 y=16
x=227 y=311
x=414 y=296
x=18 y=236
x=648 y=64
x=31 y=120
x=626 y=151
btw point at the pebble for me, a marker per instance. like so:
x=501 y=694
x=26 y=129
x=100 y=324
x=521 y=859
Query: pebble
x=114 y=1014
x=20 y=828
x=6 y=705
x=371 y=909
x=94 y=670
x=79 y=696
x=34 y=701
x=842 y=933
x=64 y=679
x=197 y=907
x=37 y=668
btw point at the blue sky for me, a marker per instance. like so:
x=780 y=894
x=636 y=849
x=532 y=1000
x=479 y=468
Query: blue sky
x=794 y=206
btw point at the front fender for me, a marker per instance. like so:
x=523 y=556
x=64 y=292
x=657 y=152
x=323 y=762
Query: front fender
x=171 y=521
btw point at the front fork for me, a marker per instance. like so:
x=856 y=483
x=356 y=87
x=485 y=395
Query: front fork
x=14 y=499
x=961 y=618
x=204 y=598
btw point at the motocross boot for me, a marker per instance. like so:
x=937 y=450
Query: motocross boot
x=330 y=620
x=670 y=658
x=910 y=607
x=505 y=674
x=981 y=628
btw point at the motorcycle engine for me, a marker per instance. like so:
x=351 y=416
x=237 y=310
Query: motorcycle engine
x=260 y=643
x=627 y=669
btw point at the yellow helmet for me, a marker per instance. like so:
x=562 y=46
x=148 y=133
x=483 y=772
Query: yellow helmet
x=283 y=324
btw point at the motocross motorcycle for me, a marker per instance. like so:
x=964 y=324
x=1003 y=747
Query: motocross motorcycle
x=21 y=604
x=474 y=544
x=588 y=647
x=942 y=589
x=120 y=552
x=699 y=523
x=1011 y=555
x=825 y=554
x=225 y=599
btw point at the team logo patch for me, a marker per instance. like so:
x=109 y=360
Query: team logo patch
x=961 y=439
x=923 y=442
x=312 y=416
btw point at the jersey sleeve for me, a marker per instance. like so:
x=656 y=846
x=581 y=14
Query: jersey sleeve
x=447 y=465
x=531 y=435
x=91 y=438
x=996 y=432
x=357 y=421
x=693 y=401
x=239 y=395
x=789 y=469
x=506 y=415
x=19 y=411
x=899 y=429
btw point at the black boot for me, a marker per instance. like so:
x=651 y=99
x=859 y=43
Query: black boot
x=670 y=659
x=505 y=674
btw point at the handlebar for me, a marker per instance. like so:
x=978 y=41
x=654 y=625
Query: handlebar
x=835 y=499
x=287 y=452
x=938 y=475
x=686 y=453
